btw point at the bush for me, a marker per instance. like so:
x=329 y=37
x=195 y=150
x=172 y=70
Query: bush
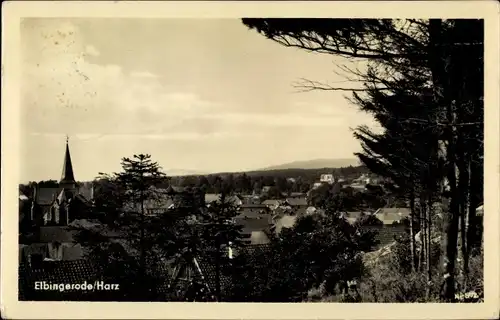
x=391 y=279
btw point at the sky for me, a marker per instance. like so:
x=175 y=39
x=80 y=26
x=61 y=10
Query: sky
x=199 y=95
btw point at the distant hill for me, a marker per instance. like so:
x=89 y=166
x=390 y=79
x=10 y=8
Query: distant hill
x=183 y=172
x=315 y=164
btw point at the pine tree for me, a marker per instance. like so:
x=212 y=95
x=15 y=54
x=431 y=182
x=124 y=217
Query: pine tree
x=433 y=68
x=133 y=257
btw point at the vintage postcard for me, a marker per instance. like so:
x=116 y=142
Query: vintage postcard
x=250 y=160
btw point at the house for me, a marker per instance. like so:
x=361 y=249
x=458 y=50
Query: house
x=316 y=185
x=162 y=203
x=199 y=273
x=215 y=197
x=327 y=178
x=251 y=210
x=51 y=243
x=363 y=179
x=296 y=202
x=291 y=180
x=297 y=205
x=392 y=215
x=272 y=203
x=266 y=189
x=356 y=186
x=480 y=211
x=250 y=199
x=283 y=221
x=256 y=223
x=352 y=216
x=174 y=197
x=386 y=234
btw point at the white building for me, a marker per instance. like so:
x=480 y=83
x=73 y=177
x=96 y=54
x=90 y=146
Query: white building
x=328 y=178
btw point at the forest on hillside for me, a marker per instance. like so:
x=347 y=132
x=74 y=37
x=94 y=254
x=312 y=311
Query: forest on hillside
x=242 y=182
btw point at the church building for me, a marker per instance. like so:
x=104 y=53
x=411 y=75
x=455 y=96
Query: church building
x=63 y=204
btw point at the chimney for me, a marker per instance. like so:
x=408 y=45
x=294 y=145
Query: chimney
x=229 y=251
x=92 y=186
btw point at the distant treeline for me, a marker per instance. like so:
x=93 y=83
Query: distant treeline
x=282 y=181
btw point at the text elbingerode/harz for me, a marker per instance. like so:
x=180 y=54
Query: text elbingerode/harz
x=85 y=286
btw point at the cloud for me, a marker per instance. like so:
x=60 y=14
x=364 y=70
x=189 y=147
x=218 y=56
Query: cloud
x=278 y=120
x=173 y=136
x=143 y=74
x=91 y=50
x=63 y=91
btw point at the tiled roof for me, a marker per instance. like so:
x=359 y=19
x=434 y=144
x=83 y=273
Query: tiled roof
x=163 y=202
x=297 y=194
x=480 y=211
x=285 y=221
x=254 y=224
x=207 y=266
x=253 y=212
x=23 y=197
x=253 y=206
x=391 y=215
x=271 y=202
x=96 y=226
x=351 y=220
x=85 y=190
x=258 y=237
x=353 y=216
x=211 y=197
x=297 y=201
x=70 y=251
x=386 y=233
x=66 y=272
x=82 y=199
x=46 y=196
x=55 y=233
x=77 y=272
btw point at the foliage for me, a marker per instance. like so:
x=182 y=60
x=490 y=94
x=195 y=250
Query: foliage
x=423 y=83
x=254 y=181
x=132 y=249
x=319 y=251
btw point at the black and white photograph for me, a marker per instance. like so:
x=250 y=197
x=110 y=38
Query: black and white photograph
x=249 y=159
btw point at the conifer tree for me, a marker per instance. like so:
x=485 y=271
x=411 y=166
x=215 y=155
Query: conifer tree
x=426 y=76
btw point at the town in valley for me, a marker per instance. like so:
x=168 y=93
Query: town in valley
x=292 y=197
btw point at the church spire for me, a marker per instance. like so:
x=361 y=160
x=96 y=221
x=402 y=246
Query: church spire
x=67 y=176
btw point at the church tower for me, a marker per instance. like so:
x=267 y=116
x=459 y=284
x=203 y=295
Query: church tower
x=67 y=177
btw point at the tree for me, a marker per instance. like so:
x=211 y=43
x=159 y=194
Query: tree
x=411 y=60
x=319 y=251
x=220 y=232
x=122 y=199
x=209 y=235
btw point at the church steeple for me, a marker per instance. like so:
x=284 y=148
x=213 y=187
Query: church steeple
x=67 y=177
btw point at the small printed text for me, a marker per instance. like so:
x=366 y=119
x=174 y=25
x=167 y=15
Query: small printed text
x=85 y=286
